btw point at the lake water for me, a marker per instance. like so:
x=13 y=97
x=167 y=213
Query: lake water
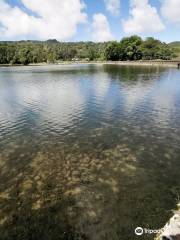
x=88 y=152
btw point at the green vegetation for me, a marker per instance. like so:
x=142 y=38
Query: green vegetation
x=52 y=51
x=134 y=48
x=176 y=49
x=175 y=44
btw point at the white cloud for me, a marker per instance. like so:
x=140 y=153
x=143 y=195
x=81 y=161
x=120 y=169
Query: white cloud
x=143 y=18
x=101 y=28
x=113 y=6
x=57 y=19
x=171 y=10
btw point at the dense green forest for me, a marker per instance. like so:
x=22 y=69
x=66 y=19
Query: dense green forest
x=52 y=51
x=176 y=48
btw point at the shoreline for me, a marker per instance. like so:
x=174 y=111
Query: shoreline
x=155 y=63
x=158 y=63
x=172 y=229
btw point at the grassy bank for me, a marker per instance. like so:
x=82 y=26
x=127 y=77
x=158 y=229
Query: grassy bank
x=169 y=63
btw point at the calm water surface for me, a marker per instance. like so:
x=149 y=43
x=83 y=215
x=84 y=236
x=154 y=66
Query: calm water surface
x=88 y=152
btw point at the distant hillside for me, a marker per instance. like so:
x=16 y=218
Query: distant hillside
x=175 y=44
x=53 y=51
x=176 y=48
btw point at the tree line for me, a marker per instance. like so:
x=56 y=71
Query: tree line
x=52 y=51
x=134 y=48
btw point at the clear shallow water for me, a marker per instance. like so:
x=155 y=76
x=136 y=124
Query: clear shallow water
x=88 y=151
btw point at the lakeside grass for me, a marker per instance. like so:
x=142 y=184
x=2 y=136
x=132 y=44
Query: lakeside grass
x=166 y=63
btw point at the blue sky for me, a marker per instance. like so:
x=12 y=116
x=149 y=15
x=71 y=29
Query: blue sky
x=89 y=20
